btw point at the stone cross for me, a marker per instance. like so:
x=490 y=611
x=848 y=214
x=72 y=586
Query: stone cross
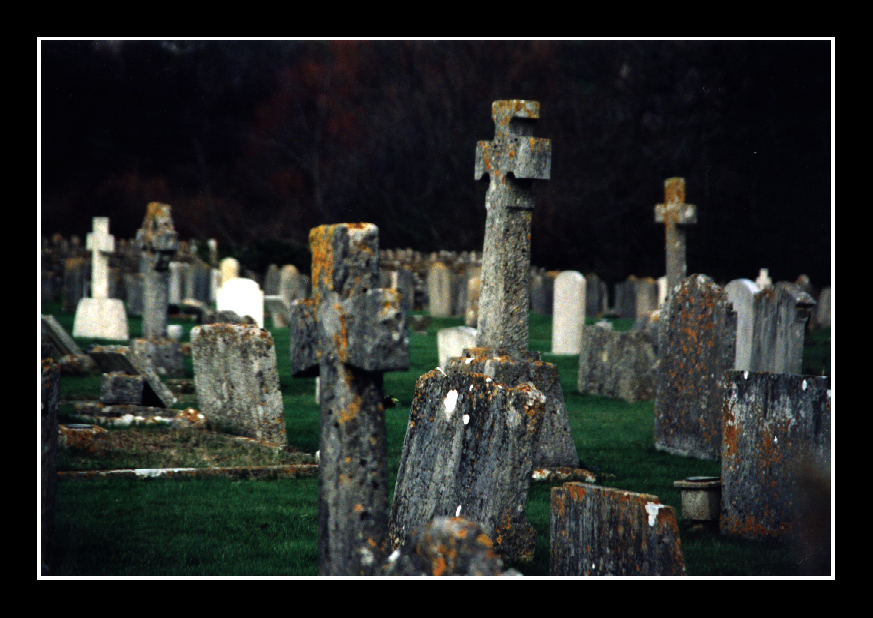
x=512 y=161
x=674 y=213
x=349 y=333
x=158 y=243
x=101 y=244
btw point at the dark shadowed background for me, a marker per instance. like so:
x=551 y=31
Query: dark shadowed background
x=256 y=142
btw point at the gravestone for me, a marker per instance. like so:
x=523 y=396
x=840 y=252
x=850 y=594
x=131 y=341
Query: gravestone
x=568 y=312
x=697 y=345
x=646 y=297
x=541 y=289
x=100 y=316
x=67 y=354
x=741 y=294
x=823 y=309
x=777 y=436
x=763 y=281
x=244 y=296
x=596 y=296
x=229 y=269
x=478 y=427
x=440 y=290
x=453 y=341
x=675 y=214
x=158 y=243
x=617 y=364
x=237 y=380
x=76 y=282
x=606 y=531
x=350 y=333
x=471 y=314
x=49 y=401
x=780 y=314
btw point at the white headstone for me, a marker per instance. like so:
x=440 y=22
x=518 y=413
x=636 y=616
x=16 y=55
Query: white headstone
x=568 y=312
x=763 y=280
x=452 y=341
x=229 y=269
x=100 y=317
x=741 y=294
x=439 y=290
x=244 y=296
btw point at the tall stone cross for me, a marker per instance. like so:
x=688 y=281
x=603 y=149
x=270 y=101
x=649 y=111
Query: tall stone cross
x=674 y=213
x=101 y=245
x=512 y=161
x=158 y=242
x=349 y=333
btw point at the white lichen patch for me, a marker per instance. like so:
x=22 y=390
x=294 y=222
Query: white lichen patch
x=466 y=419
x=652 y=509
x=458 y=511
x=449 y=403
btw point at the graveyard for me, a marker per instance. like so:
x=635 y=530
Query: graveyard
x=335 y=312
x=226 y=507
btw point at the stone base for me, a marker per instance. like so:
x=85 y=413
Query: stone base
x=101 y=318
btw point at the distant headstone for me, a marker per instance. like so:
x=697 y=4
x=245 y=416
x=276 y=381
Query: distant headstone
x=237 y=380
x=453 y=341
x=596 y=296
x=617 y=364
x=229 y=269
x=741 y=294
x=244 y=296
x=763 y=281
x=823 y=309
x=471 y=314
x=777 y=431
x=697 y=345
x=440 y=290
x=568 y=312
x=100 y=317
x=606 y=531
x=124 y=361
x=158 y=243
x=780 y=316
x=675 y=214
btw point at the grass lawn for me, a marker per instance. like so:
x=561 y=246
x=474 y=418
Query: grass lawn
x=227 y=527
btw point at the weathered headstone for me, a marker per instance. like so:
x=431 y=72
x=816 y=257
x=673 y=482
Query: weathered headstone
x=67 y=354
x=123 y=361
x=244 y=296
x=741 y=294
x=471 y=314
x=350 y=332
x=823 y=309
x=453 y=341
x=606 y=531
x=617 y=364
x=478 y=427
x=675 y=214
x=780 y=314
x=777 y=430
x=49 y=400
x=440 y=290
x=568 y=312
x=596 y=296
x=237 y=380
x=158 y=243
x=697 y=345
x=100 y=316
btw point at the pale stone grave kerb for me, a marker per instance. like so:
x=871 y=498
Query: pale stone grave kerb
x=513 y=160
x=606 y=531
x=237 y=380
x=777 y=442
x=100 y=317
x=350 y=333
x=697 y=334
x=674 y=213
x=158 y=242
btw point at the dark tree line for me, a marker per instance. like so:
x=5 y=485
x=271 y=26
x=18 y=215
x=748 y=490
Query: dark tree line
x=262 y=140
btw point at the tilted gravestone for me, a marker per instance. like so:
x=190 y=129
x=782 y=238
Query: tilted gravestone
x=606 y=531
x=237 y=380
x=697 y=345
x=100 y=316
x=476 y=427
x=675 y=214
x=617 y=364
x=350 y=333
x=777 y=434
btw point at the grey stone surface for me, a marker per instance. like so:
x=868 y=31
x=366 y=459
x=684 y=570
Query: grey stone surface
x=675 y=214
x=158 y=242
x=697 y=346
x=237 y=380
x=119 y=388
x=606 y=531
x=617 y=364
x=777 y=432
x=568 y=312
x=121 y=359
x=165 y=355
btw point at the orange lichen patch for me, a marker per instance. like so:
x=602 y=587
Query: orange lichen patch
x=439 y=566
x=359 y=508
x=351 y=411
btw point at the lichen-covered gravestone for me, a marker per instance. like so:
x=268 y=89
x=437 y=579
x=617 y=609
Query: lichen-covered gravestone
x=237 y=380
x=478 y=427
x=606 y=531
x=777 y=435
x=349 y=333
x=617 y=364
x=675 y=214
x=697 y=345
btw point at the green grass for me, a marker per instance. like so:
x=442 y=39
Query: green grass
x=225 y=527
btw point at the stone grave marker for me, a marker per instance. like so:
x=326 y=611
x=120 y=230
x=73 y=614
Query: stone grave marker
x=478 y=427
x=237 y=380
x=453 y=341
x=49 y=401
x=697 y=345
x=244 y=296
x=823 y=308
x=675 y=214
x=100 y=317
x=67 y=354
x=779 y=314
x=606 y=531
x=440 y=290
x=350 y=333
x=568 y=312
x=763 y=281
x=617 y=364
x=741 y=294
x=777 y=437
x=596 y=296
x=158 y=243
x=471 y=313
